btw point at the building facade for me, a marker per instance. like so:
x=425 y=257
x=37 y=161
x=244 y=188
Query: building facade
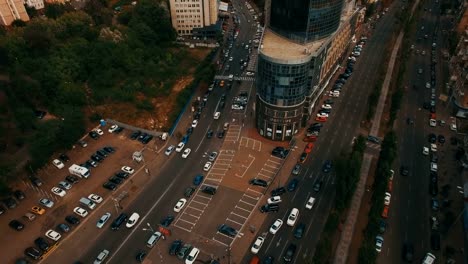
x=36 y=4
x=11 y=10
x=194 y=17
x=301 y=46
x=458 y=83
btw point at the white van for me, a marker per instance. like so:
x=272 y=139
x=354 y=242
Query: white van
x=310 y=203
x=163 y=136
x=429 y=258
x=153 y=239
x=292 y=218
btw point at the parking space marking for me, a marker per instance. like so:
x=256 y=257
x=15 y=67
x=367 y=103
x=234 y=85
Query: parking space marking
x=224 y=244
x=264 y=176
x=250 y=143
x=237 y=207
x=214 y=179
x=191 y=224
x=194 y=208
x=254 y=191
x=230 y=220
x=274 y=161
x=198 y=202
x=246 y=167
x=241 y=216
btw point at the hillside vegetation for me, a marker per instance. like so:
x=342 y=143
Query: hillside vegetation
x=74 y=64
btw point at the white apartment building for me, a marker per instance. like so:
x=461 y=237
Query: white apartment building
x=11 y=10
x=190 y=17
x=37 y=4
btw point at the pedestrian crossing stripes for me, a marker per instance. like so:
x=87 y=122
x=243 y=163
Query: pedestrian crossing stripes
x=236 y=78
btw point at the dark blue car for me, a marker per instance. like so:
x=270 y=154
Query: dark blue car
x=198 y=180
x=292 y=185
x=327 y=166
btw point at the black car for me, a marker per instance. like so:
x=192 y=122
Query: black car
x=109 y=186
x=319 y=124
x=269 y=208
x=292 y=185
x=101 y=153
x=209 y=190
x=268 y=260
x=189 y=131
x=441 y=139
x=140 y=256
x=135 y=135
x=227 y=230
x=35 y=180
x=118 y=130
x=19 y=195
x=404 y=170
x=327 y=166
x=64 y=228
x=324 y=111
x=188 y=192
x=426 y=105
x=209 y=134
x=72 y=179
x=17 y=225
x=258 y=182
x=90 y=163
x=289 y=254
x=433 y=188
x=10 y=202
x=122 y=174
x=373 y=139
x=72 y=220
x=116 y=180
x=278 y=191
x=382 y=226
x=433 y=176
x=96 y=158
x=299 y=230
x=2 y=209
x=108 y=149
x=122 y=218
x=33 y=253
x=64 y=157
x=318 y=185
x=175 y=247
x=93 y=135
x=41 y=243
x=147 y=139
x=408 y=252
x=435 y=241
x=221 y=134
x=167 y=221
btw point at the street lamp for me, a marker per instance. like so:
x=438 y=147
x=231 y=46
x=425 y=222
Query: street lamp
x=148 y=229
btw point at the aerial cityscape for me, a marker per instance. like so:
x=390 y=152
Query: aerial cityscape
x=234 y=131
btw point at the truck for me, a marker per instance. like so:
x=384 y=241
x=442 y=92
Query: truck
x=79 y=171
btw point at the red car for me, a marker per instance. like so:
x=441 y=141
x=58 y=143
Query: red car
x=310 y=139
x=321 y=119
x=308 y=148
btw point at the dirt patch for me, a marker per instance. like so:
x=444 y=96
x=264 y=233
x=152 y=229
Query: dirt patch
x=182 y=83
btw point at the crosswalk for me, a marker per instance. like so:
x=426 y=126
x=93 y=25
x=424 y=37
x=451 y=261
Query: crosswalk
x=233 y=133
x=236 y=78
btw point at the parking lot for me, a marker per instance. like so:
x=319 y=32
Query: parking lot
x=50 y=176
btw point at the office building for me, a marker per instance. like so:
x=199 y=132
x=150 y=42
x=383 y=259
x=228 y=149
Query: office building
x=302 y=44
x=36 y=4
x=198 y=18
x=11 y=10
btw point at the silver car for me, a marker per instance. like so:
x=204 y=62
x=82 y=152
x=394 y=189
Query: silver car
x=64 y=185
x=213 y=156
x=103 y=220
x=46 y=202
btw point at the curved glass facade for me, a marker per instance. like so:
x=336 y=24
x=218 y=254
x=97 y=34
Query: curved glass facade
x=282 y=84
x=305 y=20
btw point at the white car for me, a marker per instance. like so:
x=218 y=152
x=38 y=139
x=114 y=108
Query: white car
x=310 y=203
x=433 y=147
x=453 y=127
x=207 y=166
x=103 y=220
x=322 y=115
x=425 y=151
x=432 y=122
x=217 y=115
x=46 y=202
x=433 y=166
x=180 y=147
x=326 y=106
x=64 y=185
x=292 y=218
x=276 y=226
x=127 y=169
x=250 y=73
x=180 y=204
x=378 y=243
x=95 y=198
x=334 y=93
x=194 y=123
x=58 y=191
x=192 y=256
x=99 y=131
x=392 y=172
x=387 y=199
x=102 y=256
x=80 y=211
x=169 y=150
x=186 y=153
x=113 y=128
x=54 y=235
x=231 y=58
x=428 y=85
x=274 y=200
x=257 y=245
x=132 y=220
x=57 y=163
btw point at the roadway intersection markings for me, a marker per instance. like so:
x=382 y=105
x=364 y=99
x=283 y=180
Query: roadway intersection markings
x=250 y=143
x=188 y=218
x=233 y=133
